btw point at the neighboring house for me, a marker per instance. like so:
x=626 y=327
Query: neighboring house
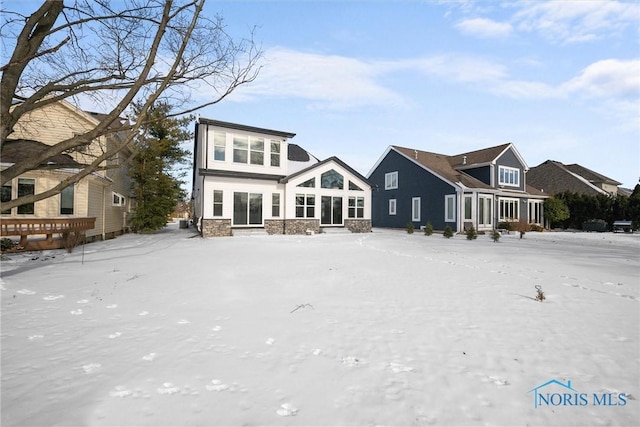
x=249 y=177
x=102 y=195
x=481 y=188
x=553 y=177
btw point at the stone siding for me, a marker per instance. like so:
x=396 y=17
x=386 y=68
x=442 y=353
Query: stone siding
x=358 y=225
x=300 y=226
x=216 y=227
x=274 y=226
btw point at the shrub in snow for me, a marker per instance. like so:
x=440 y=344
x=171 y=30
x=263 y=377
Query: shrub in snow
x=6 y=244
x=472 y=233
x=448 y=232
x=428 y=229
x=495 y=235
x=410 y=228
x=540 y=296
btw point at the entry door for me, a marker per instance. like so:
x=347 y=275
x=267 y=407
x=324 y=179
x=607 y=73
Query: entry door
x=331 y=210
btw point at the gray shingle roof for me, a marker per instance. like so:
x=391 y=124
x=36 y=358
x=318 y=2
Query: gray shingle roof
x=554 y=177
x=16 y=150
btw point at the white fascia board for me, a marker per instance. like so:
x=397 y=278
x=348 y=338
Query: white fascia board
x=515 y=150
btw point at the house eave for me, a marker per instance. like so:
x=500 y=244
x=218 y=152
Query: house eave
x=245 y=128
x=236 y=174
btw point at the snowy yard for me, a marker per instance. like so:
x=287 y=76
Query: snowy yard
x=384 y=328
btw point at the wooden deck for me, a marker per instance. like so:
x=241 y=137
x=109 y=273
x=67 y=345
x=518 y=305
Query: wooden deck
x=25 y=227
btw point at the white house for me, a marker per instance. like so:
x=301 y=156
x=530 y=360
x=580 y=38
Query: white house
x=249 y=177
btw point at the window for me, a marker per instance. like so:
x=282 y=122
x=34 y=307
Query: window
x=257 y=151
x=219 y=146
x=509 y=209
x=467 y=207
x=535 y=211
x=217 y=202
x=310 y=183
x=485 y=215
x=5 y=196
x=331 y=210
x=247 y=209
x=332 y=179
x=392 y=206
x=450 y=208
x=305 y=206
x=240 y=149
x=66 y=201
x=275 y=204
x=509 y=176
x=275 y=153
x=356 y=207
x=26 y=187
x=390 y=180
x=415 y=209
x=355 y=187
x=117 y=199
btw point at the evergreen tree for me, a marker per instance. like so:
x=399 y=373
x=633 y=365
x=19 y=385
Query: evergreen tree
x=155 y=169
x=555 y=210
x=633 y=207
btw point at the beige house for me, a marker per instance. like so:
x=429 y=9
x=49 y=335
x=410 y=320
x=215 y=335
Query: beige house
x=102 y=195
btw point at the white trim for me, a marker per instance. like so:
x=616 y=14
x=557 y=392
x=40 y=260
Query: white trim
x=518 y=156
x=415 y=209
x=389 y=179
x=449 y=214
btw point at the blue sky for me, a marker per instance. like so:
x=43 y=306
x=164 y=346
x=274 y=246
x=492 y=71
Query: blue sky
x=561 y=80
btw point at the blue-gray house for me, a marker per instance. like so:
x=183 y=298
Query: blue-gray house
x=480 y=188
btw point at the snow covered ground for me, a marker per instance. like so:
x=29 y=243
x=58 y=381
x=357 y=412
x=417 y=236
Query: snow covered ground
x=384 y=328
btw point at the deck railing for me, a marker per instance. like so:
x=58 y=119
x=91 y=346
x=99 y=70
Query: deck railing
x=25 y=227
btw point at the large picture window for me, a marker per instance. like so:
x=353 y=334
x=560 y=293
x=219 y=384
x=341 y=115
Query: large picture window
x=66 y=200
x=305 y=206
x=509 y=176
x=390 y=180
x=26 y=187
x=509 y=209
x=247 y=209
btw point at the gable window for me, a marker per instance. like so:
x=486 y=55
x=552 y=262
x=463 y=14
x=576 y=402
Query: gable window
x=450 y=208
x=392 y=206
x=217 y=202
x=219 y=145
x=467 y=207
x=247 y=208
x=275 y=204
x=355 y=187
x=275 y=153
x=310 y=183
x=305 y=206
x=356 y=207
x=509 y=209
x=26 y=187
x=117 y=199
x=66 y=200
x=415 y=209
x=332 y=179
x=390 y=180
x=508 y=176
x=6 y=195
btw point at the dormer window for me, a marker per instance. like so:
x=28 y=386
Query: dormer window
x=117 y=199
x=508 y=176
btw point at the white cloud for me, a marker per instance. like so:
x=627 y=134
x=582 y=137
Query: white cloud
x=567 y=22
x=484 y=28
x=607 y=78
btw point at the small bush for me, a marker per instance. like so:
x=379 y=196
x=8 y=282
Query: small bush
x=506 y=225
x=428 y=229
x=536 y=227
x=448 y=232
x=7 y=244
x=540 y=295
x=71 y=239
x=410 y=228
x=472 y=234
x=495 y=235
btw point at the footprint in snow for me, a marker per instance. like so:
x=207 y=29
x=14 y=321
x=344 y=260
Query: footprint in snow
x=35 y=337
x=91 y=367
x=144 y=313
x=216 y=328
x=149 y=357
x=76 y=312
x=25 y=292
x=52 y=297
x=120 y=391
x=183 y=322
x=216 y=385
x=112 y=306
x=317 y=352
x=353 y=361
x=168 y=388
x=270 y=341
x=398 y=368
x=83 y=301
x=287 y=410
x=116 y=335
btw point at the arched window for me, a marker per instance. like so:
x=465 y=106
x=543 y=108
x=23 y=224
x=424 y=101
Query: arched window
x=332 y=179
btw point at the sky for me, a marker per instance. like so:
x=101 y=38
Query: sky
x=560 y=80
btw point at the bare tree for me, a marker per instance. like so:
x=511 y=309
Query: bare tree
x=114 y=53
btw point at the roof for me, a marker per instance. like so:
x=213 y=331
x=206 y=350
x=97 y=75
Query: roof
x=553 y=177
x=478 y=157
x=298 y=154
x=441 y=164
x=325 y=161
x=245 y=128
x=17 y=150
x=590 y=175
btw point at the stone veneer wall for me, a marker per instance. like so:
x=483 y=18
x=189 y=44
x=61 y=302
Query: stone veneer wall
x=216 y=227
x=358 y=225
x=300 y=226
x=274 y=226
